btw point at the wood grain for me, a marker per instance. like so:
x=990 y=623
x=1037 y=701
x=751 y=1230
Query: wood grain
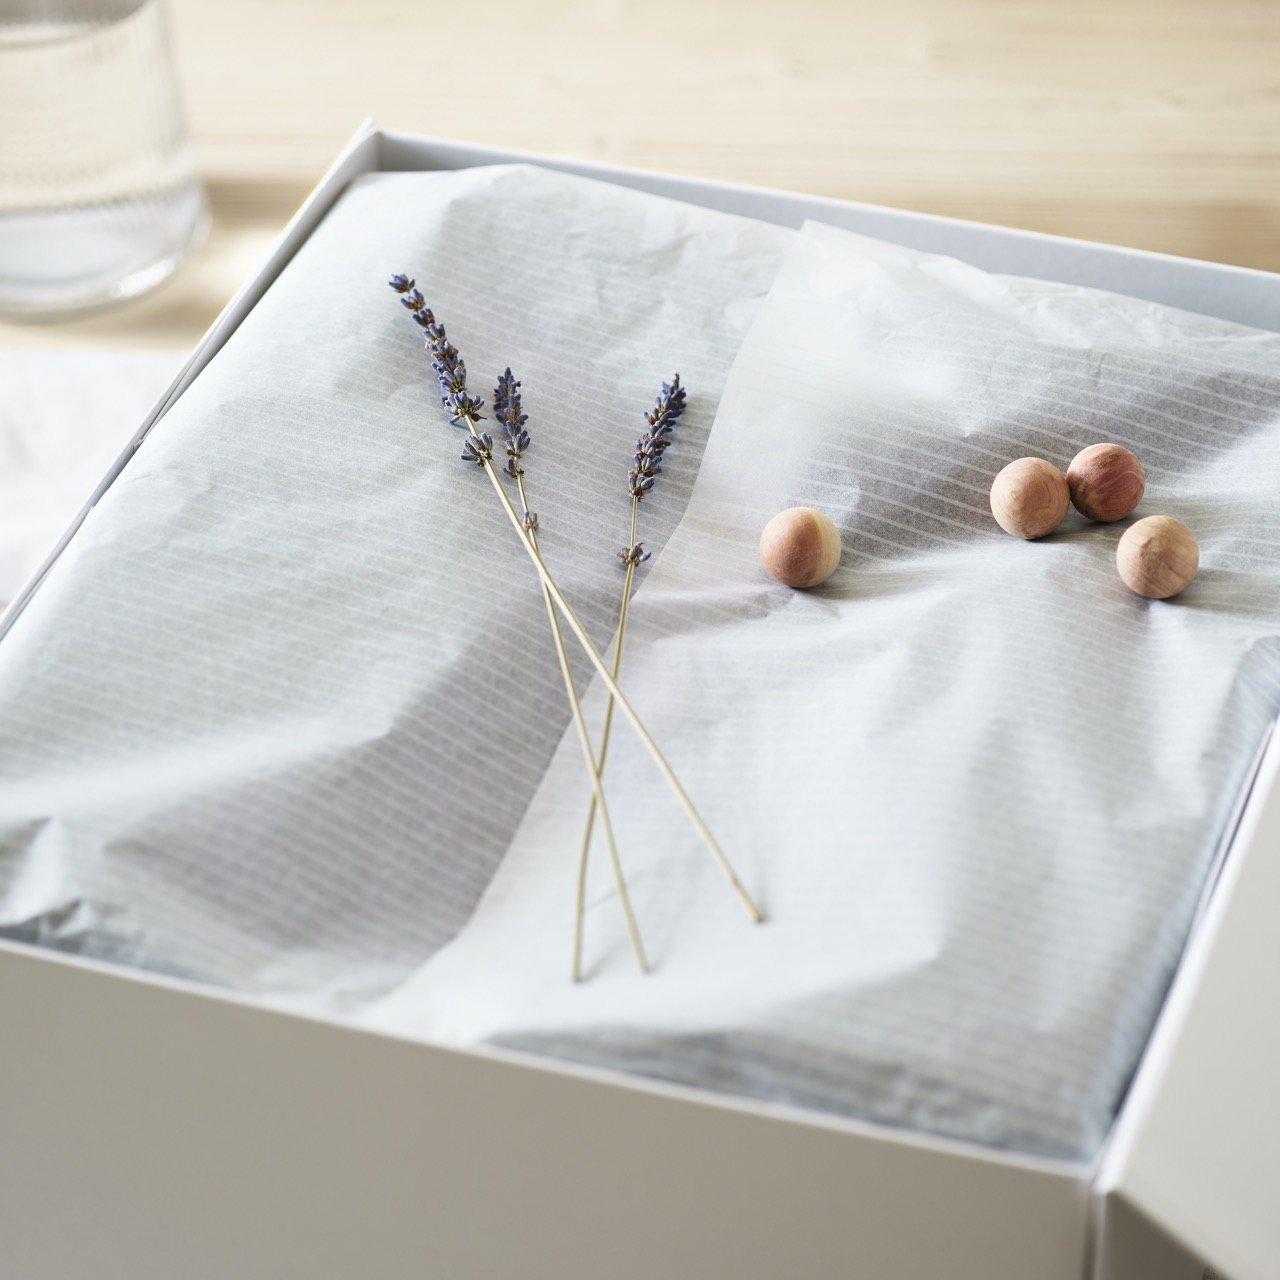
x=1137 y=122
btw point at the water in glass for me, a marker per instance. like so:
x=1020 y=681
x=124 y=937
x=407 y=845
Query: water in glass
x=99 y=196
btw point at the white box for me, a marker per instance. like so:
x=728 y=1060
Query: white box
x=151 y=1129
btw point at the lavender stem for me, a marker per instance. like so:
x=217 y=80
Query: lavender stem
x=465 y=412
x=584 y=854
x=655 y=752
x=597 y=783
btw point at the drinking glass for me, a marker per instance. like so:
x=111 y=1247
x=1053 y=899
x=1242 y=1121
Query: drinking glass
x=99 y=196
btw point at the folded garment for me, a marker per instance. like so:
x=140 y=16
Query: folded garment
x=976 y=782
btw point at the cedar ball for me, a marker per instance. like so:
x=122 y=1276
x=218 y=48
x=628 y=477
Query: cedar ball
x=1029 y=498
x=800 y=547
x=1106 y=482
x=1157 y=557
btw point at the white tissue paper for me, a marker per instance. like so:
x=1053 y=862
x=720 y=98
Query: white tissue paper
x=975 y=782
x=286 y=711
x=274 y=716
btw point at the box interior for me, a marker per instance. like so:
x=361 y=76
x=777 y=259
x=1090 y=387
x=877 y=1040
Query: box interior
x=1230 y=293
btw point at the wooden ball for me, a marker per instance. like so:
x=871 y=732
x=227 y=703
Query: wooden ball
x=800 y=547
x=1106 y=482
x=1157 y=557
x=1029 y=498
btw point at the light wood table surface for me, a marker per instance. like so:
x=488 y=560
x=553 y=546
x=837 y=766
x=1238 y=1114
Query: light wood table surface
x=1153 y=123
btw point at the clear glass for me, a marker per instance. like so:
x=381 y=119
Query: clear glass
x=99 y=196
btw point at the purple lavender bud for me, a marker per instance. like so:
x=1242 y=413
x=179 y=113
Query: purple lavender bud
x=653 y=444
x=506 y=396
x=634 y=555
x=508 y=410
x=669 y=404
x=450 y=371
x=464 y=409
x=477 y=450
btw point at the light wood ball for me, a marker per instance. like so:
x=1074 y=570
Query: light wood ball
x=1157 y=557
x=1106 y=482
x=800 y=547
x=1029 y=498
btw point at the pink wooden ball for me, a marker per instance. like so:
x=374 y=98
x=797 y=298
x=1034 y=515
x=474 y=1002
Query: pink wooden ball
x=1106 y=482
x=1029 y=498
x=1157 y=557
x=800 y=547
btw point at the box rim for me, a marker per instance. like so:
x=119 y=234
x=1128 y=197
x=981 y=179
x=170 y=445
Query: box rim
x=1066 y=1170
x=394 y=137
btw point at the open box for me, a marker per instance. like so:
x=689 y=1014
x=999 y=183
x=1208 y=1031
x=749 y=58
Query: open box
x=152 y=1128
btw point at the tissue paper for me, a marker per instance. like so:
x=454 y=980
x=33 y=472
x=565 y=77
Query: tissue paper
x=276 y=713
x=976 y=784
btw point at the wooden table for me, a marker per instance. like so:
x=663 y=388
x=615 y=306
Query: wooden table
x=1155 y=124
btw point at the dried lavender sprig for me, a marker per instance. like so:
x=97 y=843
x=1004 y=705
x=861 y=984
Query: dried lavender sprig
x=645 y=465
x=450 y=371
x=508 y=410
x=478 y=449
x=646 y=461
x=622 y=701
x=616 y=694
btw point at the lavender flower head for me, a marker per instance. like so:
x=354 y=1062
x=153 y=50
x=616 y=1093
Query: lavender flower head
x=450 y=371
x=478 y=449
x=633 y=556
x=508 y=410
x=669 y=404
x=646 y=462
